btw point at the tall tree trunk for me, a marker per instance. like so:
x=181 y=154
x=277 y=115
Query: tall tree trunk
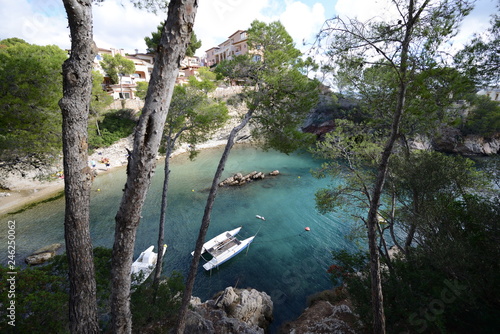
x=163 y=213
x=77 y=87
x=186 y=298
x=175 y=38
x=376 y=282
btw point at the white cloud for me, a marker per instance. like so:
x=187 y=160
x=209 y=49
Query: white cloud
x=117 y=24
x=363 y=10
x=36 y=22
x=217 y=19
x=120 y=25
x=301 y=21
x=476 y=22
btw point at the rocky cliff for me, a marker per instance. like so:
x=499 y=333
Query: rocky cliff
x=451 y=140
x=329 y=312
x=448 y=140
x=245 y=311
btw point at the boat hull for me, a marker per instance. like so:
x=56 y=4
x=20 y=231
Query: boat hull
x=218 y=240
x=228 y=254
x=144 y=265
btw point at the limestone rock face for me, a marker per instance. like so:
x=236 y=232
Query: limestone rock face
x=246 y=311
x=323 y=317
x=249 y=305
x=452 y=140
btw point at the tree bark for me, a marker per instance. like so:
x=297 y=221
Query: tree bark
x=174 y=41
x=376 y=282
x=77 y=87
x=186 y=297
x=163 y=213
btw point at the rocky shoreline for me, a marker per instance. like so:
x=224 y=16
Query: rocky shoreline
x=25 y=184
x=23 y=188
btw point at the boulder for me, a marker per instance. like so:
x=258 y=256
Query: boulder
x=248 y=305
x=39 y=258
x=323 y=317
x=451 y=140
x=274 y=172
x=43 y=254
x=246 y=311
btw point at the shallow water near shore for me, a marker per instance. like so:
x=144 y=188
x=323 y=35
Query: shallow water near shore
x=284 y=260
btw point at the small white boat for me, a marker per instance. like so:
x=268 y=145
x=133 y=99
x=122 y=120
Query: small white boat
x=227 y=251
x=216 y=241
x=260 y=217
x=144 y=265
x=223 y=247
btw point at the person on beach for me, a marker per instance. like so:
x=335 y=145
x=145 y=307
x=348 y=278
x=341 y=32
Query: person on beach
x=93 y=164
x=106 y=162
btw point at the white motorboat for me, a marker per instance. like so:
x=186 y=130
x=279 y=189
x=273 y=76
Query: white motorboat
x=144 y=265
x=218 y=240
x=226 y=251
x=223 y=247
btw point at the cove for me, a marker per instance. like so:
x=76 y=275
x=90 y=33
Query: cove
x=285 y=261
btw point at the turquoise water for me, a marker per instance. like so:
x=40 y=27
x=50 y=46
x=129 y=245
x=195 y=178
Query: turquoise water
x=284 y=260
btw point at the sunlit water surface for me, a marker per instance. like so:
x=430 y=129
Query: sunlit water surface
x=284 y=260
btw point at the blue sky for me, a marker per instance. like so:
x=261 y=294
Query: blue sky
x=117 y=24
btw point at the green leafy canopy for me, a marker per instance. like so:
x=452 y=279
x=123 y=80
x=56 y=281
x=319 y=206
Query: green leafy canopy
x=30 y=89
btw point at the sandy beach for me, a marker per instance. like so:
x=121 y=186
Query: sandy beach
x=26 y=192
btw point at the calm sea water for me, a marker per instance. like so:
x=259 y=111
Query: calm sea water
x=284 y=260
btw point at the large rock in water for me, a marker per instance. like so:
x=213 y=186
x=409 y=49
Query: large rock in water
x=43 y=254
x=245 y=311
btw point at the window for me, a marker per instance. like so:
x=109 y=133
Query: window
x=98 y=57
x=256 y=58
x=124 y=95
x=243 y=35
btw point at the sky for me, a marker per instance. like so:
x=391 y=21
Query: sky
x=119 y=25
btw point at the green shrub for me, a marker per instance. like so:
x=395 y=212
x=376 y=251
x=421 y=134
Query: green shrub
x=114 y=126
x=156 y=311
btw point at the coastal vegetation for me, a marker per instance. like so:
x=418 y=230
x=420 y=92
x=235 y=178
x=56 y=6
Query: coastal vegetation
x=405 y=88
x=30 y=82
x=44 y=291
x=427 y=223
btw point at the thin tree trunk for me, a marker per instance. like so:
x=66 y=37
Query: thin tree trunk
x=77 y=87
x=161 y=227
x=376 y=282
x=173 y=44
x=97 y=125
x=186 y=298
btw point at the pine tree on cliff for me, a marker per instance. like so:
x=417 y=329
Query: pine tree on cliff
x=404 y=46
